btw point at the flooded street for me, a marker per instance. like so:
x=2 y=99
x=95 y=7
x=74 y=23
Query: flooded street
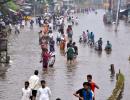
x=63 y=80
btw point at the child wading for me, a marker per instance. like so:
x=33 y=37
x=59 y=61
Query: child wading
x=93 y=84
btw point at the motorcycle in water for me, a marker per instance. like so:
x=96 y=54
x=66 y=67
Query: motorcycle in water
x=82 y=40
x=98 y=47
x=90 y=42
x=108 y=50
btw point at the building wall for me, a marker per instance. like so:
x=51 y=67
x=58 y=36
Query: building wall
x=98 y=1
x=68 y=2
x=128 y=1
x=115 y=4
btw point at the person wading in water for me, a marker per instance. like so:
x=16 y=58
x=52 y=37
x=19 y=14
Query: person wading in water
x=92 y=84
x=45 y=59
x=85 y=93
x=76 y=50
x=70 y=54
x=34 y=83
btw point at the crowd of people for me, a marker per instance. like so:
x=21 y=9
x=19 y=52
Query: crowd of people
x=63 y=39
x=89 y=38
x=88 y=90
x=34 y=89
x=84 y=10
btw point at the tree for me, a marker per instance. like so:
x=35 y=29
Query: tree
x=13 y=6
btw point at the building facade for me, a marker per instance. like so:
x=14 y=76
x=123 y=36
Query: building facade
x=68 y=3
x=127 y=1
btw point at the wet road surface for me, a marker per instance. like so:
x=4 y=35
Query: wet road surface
x=63 y=80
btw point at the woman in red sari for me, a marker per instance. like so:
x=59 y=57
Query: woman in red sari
x=45 y=59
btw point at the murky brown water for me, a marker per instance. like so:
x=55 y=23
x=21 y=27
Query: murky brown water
x=63 y=81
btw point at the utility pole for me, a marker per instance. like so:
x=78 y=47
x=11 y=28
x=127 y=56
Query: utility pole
x=34 y=4
x=117 y=15
x=110 y=5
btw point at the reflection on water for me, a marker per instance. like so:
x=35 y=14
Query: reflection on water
x=112 y=77
x=63 y=79
x=2 y=75
x=3 y=70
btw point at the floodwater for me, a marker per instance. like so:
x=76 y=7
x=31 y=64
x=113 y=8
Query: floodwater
x=62 y=79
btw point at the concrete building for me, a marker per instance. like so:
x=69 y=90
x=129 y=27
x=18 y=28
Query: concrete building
x=127 y=1
x=68 y=2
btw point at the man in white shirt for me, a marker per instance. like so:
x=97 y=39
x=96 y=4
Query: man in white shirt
x=34 y=82
x=58 y=38
x=17 y=28
x=10 y=27
x=2 y=23
x=51 y=35
x=41 y=22
x=44 y=92
x=23 y=23
x=51 y=25
x=76 y=20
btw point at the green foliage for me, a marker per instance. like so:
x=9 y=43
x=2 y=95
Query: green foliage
x=3 y=9
x=13 y=6
x=119 y=87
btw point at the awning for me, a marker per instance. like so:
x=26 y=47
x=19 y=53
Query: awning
x=122 y=10
x=12 y=11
